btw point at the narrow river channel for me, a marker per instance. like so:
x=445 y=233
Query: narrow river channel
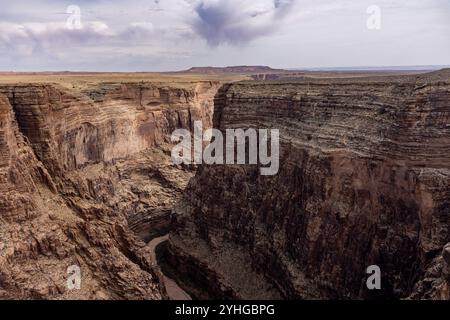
x=173 y=289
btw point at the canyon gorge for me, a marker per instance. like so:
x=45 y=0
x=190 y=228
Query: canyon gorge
x=85 y=175
x=86 y=179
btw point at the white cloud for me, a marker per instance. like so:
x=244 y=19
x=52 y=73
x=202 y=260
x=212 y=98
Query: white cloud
x=175 y=34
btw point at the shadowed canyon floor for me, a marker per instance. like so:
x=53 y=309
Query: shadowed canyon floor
x=86 y=179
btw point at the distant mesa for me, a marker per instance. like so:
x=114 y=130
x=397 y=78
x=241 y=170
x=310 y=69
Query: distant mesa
x=232 y=69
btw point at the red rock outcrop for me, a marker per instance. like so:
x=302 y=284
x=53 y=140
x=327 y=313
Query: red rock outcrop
x=364 y=180
x=124 y=124
x=78 y=172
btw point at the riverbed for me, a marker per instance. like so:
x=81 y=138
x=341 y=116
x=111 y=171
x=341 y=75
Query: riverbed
x=174 y=291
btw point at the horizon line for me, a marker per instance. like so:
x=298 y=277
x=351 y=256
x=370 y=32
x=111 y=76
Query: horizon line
x=431 y=67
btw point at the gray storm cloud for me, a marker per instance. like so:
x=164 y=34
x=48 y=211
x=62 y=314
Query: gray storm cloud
x=238 y=21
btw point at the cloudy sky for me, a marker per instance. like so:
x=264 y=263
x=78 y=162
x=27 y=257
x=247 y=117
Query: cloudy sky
x=161 y=35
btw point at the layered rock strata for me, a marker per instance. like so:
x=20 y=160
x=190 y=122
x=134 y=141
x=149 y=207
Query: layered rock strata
x=78 y=172
x=363 y=180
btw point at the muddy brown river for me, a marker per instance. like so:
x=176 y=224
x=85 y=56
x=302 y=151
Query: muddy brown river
x=173 y=289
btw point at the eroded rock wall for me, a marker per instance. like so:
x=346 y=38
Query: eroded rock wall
x=364 y=180
x=107 y=141
x=78 y=172
x=105 y=122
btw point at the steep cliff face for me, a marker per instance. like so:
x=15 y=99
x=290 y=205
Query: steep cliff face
x=364 y=180
x=106 y=122
x=108 y=141
x=78 y=172
x=42 y=235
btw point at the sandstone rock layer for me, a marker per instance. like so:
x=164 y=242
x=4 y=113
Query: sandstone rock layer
x=364 y=180
x=79 y=172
